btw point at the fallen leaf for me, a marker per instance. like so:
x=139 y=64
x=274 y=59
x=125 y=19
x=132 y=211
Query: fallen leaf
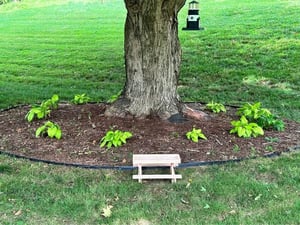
x=258 y=197
x=106 y=212
x=206 y=206
x=116 y=198
x=18 y=213
x=232 y=212
x=184 y=201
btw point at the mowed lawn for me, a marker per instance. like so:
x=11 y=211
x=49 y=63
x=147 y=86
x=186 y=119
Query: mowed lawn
x=249 y=51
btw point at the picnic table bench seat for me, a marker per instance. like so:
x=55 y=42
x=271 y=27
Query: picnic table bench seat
x=156 y=160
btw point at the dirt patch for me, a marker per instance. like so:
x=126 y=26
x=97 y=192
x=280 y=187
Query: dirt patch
x=83 y=126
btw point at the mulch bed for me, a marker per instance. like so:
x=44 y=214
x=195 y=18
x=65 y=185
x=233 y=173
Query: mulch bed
x=83 y=126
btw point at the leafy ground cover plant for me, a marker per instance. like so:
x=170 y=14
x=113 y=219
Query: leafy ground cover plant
x=253 y=111
x=216 y=107
x=245 y=129
x=195 y=134
x=80 y=99
x=271 y=139
x=52 y=103
x=50 y=129
x=262 y=116
x=115 y=138
x=39 y=112
x=271 y=122
x=44 y=109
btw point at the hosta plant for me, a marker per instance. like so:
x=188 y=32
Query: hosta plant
x=245 y=129
x=216 y=107
x=49 y=129
x=39 y=112
x=52 y=103
x=195 y=134
x=43 y=110
x=262 y=116
x=80 y=99
x=115 y=138
x=270 y=122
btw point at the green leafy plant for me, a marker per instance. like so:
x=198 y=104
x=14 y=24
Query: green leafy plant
x=236 y=148
x=39 y=111
x=195 y=134
x=43 y=110
x=269 y=148
x=50 y=129
x=115 y=138
x=272 y=139
x=270 y=122
x=253 y=152
x=113 y=98
x=253 y=111
x=216 y=107
x=80 y=99
x=52 y=103
x=245 y=129
x=262 y=116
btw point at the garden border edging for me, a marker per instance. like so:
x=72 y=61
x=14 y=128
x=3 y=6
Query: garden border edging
x=124 y=168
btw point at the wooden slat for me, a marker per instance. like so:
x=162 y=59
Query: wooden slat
x=157 y=176
x=156 y=159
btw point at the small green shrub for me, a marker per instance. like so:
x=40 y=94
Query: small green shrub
x=216 y=107
x=253 y=112
x=262 y=116
x=195 y=134
x=245 y=129
x=50 y=129
x=52 y=103
x=39 y=111
x=271 y=122
x=115 y=138
x=81 y=99
x=43 y=110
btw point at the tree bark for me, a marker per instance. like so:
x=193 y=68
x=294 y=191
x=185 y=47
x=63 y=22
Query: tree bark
x=152 y=59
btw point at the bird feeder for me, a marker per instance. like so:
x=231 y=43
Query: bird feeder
x=193 y=19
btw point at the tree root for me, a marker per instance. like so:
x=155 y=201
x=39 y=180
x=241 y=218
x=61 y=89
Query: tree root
x=194 y=114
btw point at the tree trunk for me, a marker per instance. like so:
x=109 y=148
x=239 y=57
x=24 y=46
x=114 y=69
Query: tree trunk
x=152 y=59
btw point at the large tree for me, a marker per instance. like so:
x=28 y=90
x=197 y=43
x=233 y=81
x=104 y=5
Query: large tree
x=152 y=59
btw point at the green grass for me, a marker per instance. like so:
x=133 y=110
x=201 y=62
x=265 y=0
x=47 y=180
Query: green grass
x=264 y=191
x=67 y=49
x=249 y=51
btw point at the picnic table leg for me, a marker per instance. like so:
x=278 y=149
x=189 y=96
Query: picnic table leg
x=173 y=173
x=140 y=173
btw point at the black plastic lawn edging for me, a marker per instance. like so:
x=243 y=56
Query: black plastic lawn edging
x=124 y=168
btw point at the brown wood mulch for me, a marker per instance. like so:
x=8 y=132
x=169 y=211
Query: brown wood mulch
x=83 y=126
